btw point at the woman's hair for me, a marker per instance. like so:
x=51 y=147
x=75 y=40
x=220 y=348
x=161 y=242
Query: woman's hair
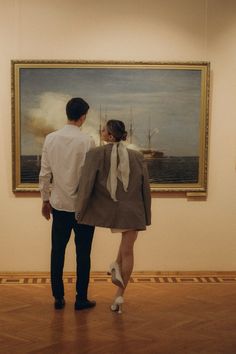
x=117 y=129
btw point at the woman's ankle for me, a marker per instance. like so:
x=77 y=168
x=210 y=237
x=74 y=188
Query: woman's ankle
x=120 y=292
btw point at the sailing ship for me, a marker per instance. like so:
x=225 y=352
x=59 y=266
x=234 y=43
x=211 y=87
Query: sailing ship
x=148 y=152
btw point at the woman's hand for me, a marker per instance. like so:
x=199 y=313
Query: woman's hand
x=77 y=215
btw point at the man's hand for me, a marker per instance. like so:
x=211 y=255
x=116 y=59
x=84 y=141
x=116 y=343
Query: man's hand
x=46 y=210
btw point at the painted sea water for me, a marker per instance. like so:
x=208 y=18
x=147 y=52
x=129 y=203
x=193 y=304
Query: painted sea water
x=166 y=169
x=30 y=167
x=173 y=169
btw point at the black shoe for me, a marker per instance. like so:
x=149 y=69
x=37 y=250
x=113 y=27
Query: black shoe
x=59 y=303
x=86 y=304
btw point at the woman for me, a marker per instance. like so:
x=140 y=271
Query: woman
x=114 y=192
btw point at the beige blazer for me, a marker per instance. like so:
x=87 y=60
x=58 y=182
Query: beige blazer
x=94 y=203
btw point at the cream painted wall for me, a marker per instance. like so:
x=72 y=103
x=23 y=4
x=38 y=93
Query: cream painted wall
x=185 y=234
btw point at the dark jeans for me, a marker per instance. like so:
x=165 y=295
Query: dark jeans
x=63 y=223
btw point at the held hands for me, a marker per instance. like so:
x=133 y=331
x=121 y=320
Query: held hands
x=46 y=210
x=77 y=215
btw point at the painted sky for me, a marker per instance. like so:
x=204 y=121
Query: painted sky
x=165 y=102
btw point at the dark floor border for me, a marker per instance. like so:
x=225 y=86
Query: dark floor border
x=137 y=277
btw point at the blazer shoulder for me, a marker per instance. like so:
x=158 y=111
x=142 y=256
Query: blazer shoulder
x=95 y=152
x=136 y=154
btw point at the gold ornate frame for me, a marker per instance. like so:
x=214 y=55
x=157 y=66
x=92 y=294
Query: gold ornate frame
x=195 y=187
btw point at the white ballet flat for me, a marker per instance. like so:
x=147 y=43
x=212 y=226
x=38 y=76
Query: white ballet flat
x=116 y=277
x=117 y=304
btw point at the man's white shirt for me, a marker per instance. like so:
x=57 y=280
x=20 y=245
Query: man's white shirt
x=63 y=156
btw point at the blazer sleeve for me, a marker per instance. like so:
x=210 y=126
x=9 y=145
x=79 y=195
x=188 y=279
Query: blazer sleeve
x=146 y=194
x=86 y=182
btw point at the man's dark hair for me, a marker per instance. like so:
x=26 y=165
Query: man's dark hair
x=76 y=108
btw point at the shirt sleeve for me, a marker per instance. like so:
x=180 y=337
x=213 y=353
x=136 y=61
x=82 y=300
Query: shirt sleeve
x=45 y=174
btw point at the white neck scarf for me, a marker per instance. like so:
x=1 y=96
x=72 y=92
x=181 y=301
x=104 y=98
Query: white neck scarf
x=121 y=171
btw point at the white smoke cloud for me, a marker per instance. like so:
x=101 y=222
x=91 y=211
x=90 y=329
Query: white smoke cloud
x=49 y=116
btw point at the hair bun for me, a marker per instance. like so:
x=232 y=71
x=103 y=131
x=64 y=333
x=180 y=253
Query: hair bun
x=124 y=136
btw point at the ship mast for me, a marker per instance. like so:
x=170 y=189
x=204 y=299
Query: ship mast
x=131 y=129
x=151 y=132
x=106 y=115
x=100 y=125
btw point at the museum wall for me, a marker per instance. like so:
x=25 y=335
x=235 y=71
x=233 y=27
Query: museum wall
x=186 y=234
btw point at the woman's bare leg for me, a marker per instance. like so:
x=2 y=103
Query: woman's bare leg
x=119 y=258
x=125 y=258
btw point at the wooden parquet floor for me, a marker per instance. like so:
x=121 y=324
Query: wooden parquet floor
x=159 y=317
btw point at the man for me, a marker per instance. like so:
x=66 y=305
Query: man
x=62 y=159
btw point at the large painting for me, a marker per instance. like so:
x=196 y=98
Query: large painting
x=164 y=107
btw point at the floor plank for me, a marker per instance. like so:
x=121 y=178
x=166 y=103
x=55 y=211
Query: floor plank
x=165 y=318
